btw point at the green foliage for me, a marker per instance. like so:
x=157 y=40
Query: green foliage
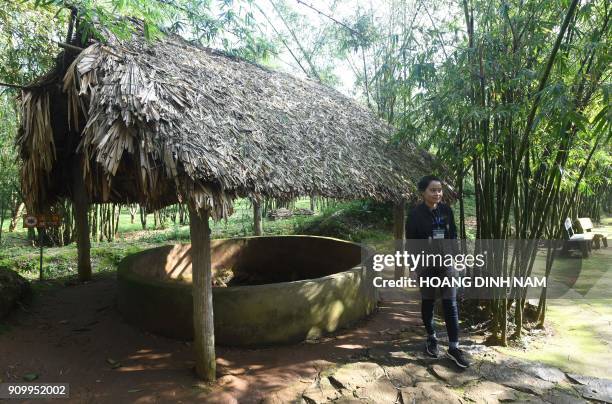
x=27 y=50
x=360 y=32
x=218 y=23
x=27 y=41
x=497 y=94
x=9 y=177
x=356 y=221
x=519 y=104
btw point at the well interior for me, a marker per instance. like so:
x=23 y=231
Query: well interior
x=282 y=289
x=254 y=260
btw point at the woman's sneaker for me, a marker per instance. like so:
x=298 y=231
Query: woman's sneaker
x=458 y=356
x=431 y=347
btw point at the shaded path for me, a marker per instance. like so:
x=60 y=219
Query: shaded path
x=75 y=335
x=69 y=334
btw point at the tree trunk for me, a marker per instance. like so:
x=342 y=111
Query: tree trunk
x=94 y=222
x=109 y=222
x=16 y=213
x=68 y=223
x=117 y=221
x=173 y=209
x=105 y=222
x=102 y=221
x=143 y=218
x=80 y=202
x=112 y=223
x=163 y=216
x=132 y=209
x=203 y=333
x=257 y=223
x=181 y=214
x=399 y=232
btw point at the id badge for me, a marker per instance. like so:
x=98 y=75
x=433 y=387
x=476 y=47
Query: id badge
x=438 y=234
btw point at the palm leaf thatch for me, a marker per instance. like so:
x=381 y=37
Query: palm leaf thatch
x=166 y=120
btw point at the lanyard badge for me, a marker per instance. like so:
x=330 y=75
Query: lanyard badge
x=438 y=230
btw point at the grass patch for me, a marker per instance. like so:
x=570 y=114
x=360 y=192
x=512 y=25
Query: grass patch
x=580 y=320
x=361 y=221
x=60 y=263
x=354 y=221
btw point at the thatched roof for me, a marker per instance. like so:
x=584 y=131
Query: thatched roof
x=166 y=119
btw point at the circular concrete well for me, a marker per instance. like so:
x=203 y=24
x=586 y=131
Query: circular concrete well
x=268 y=290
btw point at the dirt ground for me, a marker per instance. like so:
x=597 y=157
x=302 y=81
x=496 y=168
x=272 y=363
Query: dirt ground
x=75 y=335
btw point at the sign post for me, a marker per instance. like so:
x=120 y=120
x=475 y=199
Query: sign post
x=41 y=222
x=40 y=242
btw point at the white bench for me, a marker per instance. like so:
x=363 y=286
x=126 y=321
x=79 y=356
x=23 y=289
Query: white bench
x=586 y=225
x=577 y=241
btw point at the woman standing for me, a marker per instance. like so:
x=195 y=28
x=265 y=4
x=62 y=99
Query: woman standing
x=433 y=220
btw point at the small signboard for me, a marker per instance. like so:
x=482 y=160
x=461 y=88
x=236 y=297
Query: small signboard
x=30 y=221
x=42 y=220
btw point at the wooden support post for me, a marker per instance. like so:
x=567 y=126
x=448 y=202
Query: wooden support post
x=257 y=223
x=80 y=202
x=399 y=232
x=203 y=320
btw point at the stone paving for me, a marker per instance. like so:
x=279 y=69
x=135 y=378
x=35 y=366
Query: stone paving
x=402 y=373
x=399 y=371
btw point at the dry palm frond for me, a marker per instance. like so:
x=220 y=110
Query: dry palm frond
x=36 y=136
x=175 y=121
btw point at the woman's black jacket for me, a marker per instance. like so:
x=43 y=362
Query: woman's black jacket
x=421 y=221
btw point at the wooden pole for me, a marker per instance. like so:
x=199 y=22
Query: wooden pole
x=203 y=332
x=257 y=224
x=80 y=201
x=399 y=232
x=40 y=241
x=70 y=47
